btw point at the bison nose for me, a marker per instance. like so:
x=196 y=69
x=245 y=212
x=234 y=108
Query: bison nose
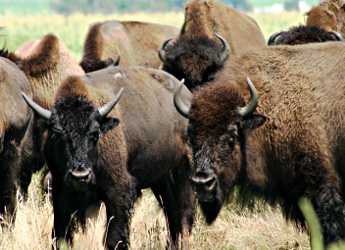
x=205 y=181
x=81 y=173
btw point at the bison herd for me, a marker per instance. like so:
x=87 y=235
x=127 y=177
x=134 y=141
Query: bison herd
x=190 y=114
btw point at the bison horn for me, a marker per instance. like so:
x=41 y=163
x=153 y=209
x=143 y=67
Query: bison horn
x=44 y=113
x=162 y=54
x=183 y=100
x=273 y=38
x=226 y=47
x=338 y=36
x=250 y=108
x=107 y=108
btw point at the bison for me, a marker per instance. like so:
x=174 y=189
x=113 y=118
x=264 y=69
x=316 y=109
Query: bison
x=210 y=33
x=281 y=140
x=14 y=119
x=91 y=161
x=304 y=34
x=329 y=15
x=136 y=43
x=45 y=63
x=321 y=26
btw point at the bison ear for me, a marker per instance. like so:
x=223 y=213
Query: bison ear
x=254 y=121
x=108 y=123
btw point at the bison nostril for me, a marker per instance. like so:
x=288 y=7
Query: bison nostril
x=208 y=182
x=81 y=174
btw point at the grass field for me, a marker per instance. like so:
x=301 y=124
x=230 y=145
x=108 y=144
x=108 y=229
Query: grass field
x=234 y=229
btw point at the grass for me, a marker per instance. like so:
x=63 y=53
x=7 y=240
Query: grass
x=234 y=229
x=263 y=229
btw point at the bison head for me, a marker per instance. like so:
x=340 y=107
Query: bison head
x=75 y=126
x=219 y=123
x=328 y=15
x=303 y=35
x=194 y=59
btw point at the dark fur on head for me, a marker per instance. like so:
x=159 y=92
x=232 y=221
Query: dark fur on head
x=302 y=35
x=9 y=55
x=194 y=59
x=72 y=86
x=44 y=59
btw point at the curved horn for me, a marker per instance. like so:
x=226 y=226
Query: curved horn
x=107 y=108
x=44 y=113
x=181 y=105
x=338 y=36
x=162 y=54
x=250 y=108
x=226 y=47
x=273 y=38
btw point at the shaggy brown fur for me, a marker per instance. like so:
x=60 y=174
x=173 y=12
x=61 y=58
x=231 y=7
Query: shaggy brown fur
x=43 y=59
x=124 y=160
x=302 y=35
x=135 y=43
x=195 y=54
x=14 y=118
x=291 y=146
x=72 y=84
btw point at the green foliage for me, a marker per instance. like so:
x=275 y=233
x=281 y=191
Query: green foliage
x=291 y=5
x=241 y=4
x=316 y=239
x=110 y=6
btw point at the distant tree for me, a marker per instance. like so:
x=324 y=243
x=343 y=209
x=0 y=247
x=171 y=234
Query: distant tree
x=244 y=5
x=291 y=5
x=85 y=6
x=110 y=6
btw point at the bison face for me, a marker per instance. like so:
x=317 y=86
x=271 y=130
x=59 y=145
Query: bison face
x=216 y=166
x=195 y=60
x=75 y=126
x=217 y=132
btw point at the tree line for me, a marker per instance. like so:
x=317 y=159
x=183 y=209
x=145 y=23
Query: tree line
x=111 y=6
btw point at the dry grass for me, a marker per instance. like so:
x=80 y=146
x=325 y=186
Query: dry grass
x=234 y=229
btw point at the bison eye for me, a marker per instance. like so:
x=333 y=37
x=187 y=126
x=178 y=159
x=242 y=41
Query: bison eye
x=57 y=130
x=231 y=141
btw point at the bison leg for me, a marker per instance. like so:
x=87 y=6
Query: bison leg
x=63 y=223
x=119 y=206
x=330 y=209
x=8 y=173
x=176 y=196
x=186 y=201
x=32 y=159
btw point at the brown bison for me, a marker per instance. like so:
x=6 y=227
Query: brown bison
x=329 y=15
x=135 y=43
x=91 y=161
x=321 y=26
x=211 y=31
x=45 y=62
x=14 y=119
x=281 y=141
